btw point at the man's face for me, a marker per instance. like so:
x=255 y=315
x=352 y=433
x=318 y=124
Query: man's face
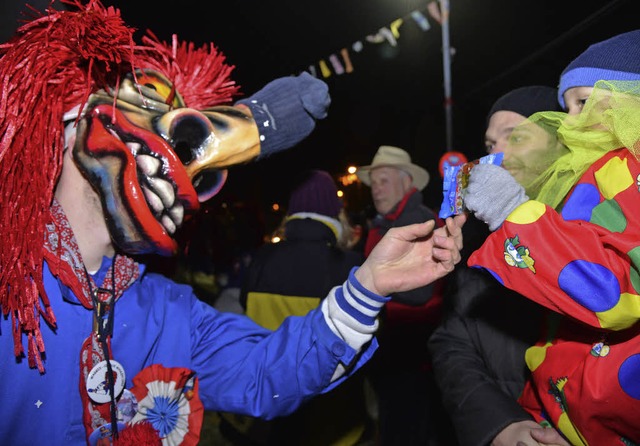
x=388 y=186
x=528 y=149
x=501 y=124
x=152 y=160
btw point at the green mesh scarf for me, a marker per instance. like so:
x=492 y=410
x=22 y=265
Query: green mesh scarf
x=609 y=120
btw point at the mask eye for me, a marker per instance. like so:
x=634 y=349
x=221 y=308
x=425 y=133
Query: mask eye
x=208 y=183
x=157 y=88
x=148 y=90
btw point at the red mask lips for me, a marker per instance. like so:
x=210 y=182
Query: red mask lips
x=145 y=190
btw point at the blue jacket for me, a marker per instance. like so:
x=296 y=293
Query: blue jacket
x=242 y=367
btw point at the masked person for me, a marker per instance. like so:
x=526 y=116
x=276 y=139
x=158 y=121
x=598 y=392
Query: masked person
x=107 y=146
x=569 y=241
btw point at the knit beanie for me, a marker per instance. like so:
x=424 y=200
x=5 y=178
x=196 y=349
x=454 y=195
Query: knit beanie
x=317 y=193
x=286 y=110
x=614 y=59
x=526 y=101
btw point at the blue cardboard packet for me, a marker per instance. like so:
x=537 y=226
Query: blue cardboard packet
x=455 y=182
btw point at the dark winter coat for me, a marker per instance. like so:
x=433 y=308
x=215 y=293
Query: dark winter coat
x=477 y=354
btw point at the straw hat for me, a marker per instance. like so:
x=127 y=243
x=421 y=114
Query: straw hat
x=389 y=156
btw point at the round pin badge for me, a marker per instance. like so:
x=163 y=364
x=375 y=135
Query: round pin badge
x=97 y=383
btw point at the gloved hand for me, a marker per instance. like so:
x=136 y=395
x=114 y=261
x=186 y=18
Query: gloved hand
x=286 y=109
x=492 y=194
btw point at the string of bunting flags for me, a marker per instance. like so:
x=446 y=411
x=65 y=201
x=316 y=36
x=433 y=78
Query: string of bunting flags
x=340 y=62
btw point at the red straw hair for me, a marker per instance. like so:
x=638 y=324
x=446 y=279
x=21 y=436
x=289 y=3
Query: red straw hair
x=199 y=74
x=52 y=64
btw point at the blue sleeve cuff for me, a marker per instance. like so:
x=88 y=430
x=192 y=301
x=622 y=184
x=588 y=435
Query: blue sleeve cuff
x=358 y=302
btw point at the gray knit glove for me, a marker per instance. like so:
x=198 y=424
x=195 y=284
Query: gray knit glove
x=286 y=110
x=492 y=194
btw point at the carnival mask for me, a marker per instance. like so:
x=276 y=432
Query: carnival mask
x=152 y=160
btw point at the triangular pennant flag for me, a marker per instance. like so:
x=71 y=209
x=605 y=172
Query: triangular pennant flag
x=383 y=34
x=335 y=62
x=347 y=60
x=326 y=72
x=375 y=38
x=434 y=11
x=312 y=70
x=395 y=25
x=421 y=20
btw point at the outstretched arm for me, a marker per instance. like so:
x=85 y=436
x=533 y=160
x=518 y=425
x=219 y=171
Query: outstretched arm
x=406 y=257
x=275 y=372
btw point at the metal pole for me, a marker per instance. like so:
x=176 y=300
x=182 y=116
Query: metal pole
x=446 y=65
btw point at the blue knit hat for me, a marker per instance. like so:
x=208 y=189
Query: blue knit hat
x=614 y=59
x=317 y=193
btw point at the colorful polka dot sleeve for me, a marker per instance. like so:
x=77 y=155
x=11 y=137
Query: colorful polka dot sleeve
x=582 y=263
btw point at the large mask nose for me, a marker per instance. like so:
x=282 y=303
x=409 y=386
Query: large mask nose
x=193 y=138
x=188 y=132
x=208 y=142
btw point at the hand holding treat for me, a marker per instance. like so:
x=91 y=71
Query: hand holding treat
x=492 y=194
x=456 y=181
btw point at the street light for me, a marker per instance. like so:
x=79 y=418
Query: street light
x=350 y=177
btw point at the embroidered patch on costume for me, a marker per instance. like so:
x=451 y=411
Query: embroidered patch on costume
x=600 y=349
x=556 y=389
x=516 y=255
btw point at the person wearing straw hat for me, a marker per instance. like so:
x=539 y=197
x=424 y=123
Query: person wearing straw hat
x=395 y=184
x=401 y=372
x=393 y=166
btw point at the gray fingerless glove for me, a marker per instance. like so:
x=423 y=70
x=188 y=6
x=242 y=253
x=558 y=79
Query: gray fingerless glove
x=492 y=194
x=286 y=110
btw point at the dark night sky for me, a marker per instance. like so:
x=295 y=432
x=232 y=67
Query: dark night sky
x=395 y=94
